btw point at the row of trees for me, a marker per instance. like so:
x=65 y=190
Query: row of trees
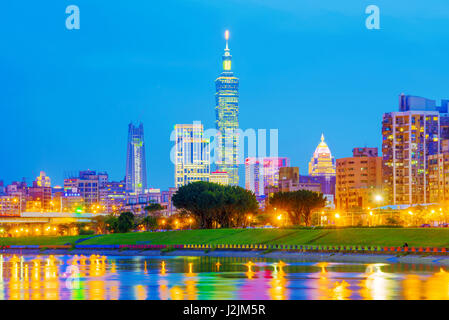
x=211 y=205
x=125 y=222
x=214 y=205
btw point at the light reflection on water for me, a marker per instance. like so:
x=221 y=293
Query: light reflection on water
x=159 y=278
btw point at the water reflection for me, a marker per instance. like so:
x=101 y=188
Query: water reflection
x=97 y=277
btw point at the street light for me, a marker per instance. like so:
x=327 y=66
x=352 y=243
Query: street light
x=337 y=217
x=411 y=219
x=280 y=217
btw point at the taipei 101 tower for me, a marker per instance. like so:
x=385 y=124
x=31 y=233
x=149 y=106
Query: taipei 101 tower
x=227 y=118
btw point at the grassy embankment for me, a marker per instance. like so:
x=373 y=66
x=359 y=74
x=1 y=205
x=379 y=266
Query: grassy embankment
x=348 y=236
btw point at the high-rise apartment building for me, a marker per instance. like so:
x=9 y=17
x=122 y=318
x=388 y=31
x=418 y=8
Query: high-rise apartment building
x=227 y=118
x=359 y=179
x=136 y=170
x=409 y=137
x=263 y=172
x=192 y=158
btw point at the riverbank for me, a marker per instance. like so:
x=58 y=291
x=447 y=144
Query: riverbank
x=384 y=237
x=259 y=254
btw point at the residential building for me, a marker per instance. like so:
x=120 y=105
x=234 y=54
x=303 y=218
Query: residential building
x=409 y=137
x=43 y=180
x=359 y=180
x=113 y=196
x=40 y=199
x=137 y=203
x=88 y=184
x=9 y=206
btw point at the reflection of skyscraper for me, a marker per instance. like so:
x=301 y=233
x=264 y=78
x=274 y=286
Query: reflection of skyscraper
x=227 y=122
x=192 y=160
x=136 y=169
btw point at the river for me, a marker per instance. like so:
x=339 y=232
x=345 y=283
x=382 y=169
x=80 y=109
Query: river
x=66 y=277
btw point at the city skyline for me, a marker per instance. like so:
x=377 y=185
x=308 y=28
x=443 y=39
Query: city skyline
x=47 y=142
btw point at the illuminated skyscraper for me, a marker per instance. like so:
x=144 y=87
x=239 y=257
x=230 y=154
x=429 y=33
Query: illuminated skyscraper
x=322 y=162
x=192 y=159
x=411 y=141
x=227 y=118
x=136 y=169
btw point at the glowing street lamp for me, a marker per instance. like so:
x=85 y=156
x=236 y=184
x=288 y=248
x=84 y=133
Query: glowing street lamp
x=249 y=220
x=378 y=198
x=336 y=218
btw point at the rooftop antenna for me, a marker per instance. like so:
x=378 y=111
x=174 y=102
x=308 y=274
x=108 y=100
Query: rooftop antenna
x=227 y=38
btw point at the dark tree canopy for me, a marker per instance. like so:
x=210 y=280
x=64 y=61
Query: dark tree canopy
x=298 y=204
x=215 y=205
x=153 y=208
x=125 y=222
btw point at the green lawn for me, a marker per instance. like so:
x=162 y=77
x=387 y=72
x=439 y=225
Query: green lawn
x=349 y=236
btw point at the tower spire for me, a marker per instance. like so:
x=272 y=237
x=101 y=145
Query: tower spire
x=322 y=137
x=227 y=58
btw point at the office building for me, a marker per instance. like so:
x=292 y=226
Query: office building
x=219 y=177
x=192 y=158
x=227 y=118
x=136 y=170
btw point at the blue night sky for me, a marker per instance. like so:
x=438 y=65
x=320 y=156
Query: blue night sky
x=305 y=67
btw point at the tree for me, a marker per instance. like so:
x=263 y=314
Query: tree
x=214 y=205
x=150 y=223
x=111 y=224
x=125 y=222
x=298 y=204
x=153 y=208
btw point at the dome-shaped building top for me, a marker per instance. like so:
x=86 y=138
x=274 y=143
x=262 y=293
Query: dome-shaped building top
x=322 y=162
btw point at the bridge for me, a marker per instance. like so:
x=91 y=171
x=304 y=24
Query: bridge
x=50 y=217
